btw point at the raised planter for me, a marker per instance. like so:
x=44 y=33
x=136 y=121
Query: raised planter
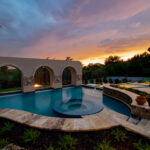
x=129 y=98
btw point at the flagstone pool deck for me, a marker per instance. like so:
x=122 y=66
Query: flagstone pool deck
x=105 y=119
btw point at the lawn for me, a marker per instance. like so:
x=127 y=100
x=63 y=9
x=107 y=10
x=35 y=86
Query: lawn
x=10 y=90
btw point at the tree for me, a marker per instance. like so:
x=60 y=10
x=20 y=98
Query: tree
x=69 y=58
x=112 y=60
x=148 y=49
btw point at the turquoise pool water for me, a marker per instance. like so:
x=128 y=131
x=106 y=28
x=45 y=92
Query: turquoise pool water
x=43 y=102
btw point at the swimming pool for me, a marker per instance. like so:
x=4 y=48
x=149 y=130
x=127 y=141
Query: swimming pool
x=63 y=102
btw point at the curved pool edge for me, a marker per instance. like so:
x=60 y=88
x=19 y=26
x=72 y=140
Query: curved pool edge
x=129 y=99
x=106 y=119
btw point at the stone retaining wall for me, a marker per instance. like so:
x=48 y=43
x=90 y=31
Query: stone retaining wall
x=129 y=99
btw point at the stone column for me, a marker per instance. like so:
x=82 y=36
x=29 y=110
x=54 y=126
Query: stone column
x=78 y=79
x=57 y=82
x=28 y=84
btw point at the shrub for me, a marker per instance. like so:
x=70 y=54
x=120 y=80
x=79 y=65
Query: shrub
x=104 y=145
x=30 y=135
x=67 y=142
x=117 y=81
x=92 y=81
x=100 y=80
x=97 y=80
x=110 y=80
x=50 y=148
x=119 y=135
x=124 y=80
x=3 y=143
x=141 y=81
x=140 y=146
x=85 y=81
x=105 y=80
x=7 y=127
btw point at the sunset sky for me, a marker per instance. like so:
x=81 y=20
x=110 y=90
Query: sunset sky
x=86 y=30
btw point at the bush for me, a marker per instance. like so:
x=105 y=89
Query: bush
x=67 y=142
x=3 y=143
x=119 y=135
x=85 y=81
x=104 y=145
x=100 y=80
x=117 y=81
x=7 y=127
x=30 y=135
x=110 y=80
x=124 y=80
x=141 y=81
x=97 y=81
x=92 y=81
x=140 y=146
x=105 y=80
x=50 y=148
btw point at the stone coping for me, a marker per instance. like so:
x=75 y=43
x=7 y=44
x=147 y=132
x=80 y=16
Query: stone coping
x=125 y=96
x=105 y=119
x=131 y=95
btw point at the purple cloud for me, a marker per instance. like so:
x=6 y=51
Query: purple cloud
x=29 y=28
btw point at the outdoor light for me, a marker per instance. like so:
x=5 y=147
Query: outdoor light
x=37 y=85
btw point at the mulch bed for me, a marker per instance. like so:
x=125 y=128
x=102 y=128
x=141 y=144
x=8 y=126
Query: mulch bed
x=85 y=140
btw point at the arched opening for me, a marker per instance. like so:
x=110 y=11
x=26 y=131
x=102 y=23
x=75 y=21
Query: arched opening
x=10 y=79
x=69 y=76
x=44 y=78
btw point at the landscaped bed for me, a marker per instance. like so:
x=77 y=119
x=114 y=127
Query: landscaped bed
x=34 y=139
x=146 y=95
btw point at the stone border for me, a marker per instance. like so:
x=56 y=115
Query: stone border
x=128 y=98
x=105 y=119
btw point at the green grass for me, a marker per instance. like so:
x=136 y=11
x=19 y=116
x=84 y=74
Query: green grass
x=3 y=143
x=10 y=90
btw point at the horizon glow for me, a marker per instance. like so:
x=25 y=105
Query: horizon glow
x=88 y=31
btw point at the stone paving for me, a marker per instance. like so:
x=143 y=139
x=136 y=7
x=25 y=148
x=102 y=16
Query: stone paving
x=103 y=120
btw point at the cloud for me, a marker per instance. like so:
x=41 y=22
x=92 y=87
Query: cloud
x=122 y=45
x=136 y=25
x=37 y=28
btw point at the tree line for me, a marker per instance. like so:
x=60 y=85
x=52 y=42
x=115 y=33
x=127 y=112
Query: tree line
x=137 y=66
x=10 y=77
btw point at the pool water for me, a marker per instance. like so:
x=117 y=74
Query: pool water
x=71 y=99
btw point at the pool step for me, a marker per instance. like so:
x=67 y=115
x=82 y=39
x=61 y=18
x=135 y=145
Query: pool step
x=133 y=120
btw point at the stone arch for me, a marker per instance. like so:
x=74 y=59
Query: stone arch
x=73 y=74
x=51 y=74
x=18 y=68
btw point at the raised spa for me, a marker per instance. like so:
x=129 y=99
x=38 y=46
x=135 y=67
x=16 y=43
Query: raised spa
x=77 y=107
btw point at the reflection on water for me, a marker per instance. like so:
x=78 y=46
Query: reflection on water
x=41 y=102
